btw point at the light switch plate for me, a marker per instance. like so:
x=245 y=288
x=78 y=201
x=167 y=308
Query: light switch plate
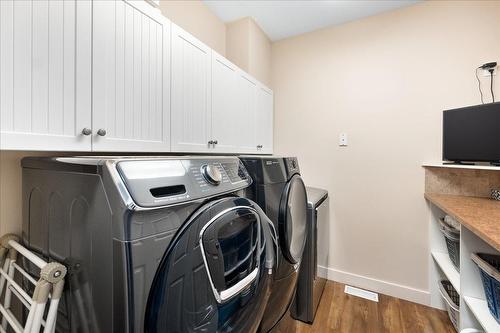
x=343 y=140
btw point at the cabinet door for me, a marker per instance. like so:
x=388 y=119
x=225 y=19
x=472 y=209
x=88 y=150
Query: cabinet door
x=131 y=77
x=246 y=120
x=45 y=74
x=264 y=120
x=225 y=131
x=191 y=93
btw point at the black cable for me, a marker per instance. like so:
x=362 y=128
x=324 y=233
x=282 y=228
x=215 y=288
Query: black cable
x=479 y=83
x=491 y=84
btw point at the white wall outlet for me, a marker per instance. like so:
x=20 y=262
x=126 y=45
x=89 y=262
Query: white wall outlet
x=343 y=140
x=486 y=73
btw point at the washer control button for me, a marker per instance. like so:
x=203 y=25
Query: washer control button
x=211 y=173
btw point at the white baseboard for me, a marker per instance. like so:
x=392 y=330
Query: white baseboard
x=379 y=286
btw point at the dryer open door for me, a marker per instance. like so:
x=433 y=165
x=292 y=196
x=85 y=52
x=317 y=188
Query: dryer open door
x=293 y=219
x=215 y=275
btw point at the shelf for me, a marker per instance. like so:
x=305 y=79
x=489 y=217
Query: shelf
x=458 y=166
x=480 y=310
x=479 y=215
x=451 y=273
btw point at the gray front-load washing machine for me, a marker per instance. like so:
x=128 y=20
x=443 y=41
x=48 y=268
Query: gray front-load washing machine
x=152 y=244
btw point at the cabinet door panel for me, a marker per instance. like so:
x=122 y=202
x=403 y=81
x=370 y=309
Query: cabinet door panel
x=264 y=122
x=131 y=77
x=224 y=105
x=45 y=73
x=247 y=90
x=191 y=92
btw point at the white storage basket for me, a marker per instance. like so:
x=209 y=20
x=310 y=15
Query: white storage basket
x=452 y=300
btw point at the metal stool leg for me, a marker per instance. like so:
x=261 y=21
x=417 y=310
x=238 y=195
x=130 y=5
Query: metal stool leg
x=5 y=247
x=7 y=300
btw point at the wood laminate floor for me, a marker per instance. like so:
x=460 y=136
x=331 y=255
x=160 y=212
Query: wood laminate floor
x=342 y=313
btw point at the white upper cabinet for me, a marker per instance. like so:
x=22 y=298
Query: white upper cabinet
x=191 y=93
x=117 y=76
x=131 y=77
x=242 y=110
x=225 y=130
x=45 y=74
x=264 y=120
x=246 y=112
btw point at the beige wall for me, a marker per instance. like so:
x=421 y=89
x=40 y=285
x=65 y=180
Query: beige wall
x=384 y=81
x=260 y=54
x=196 y=18
x=10 y=194
x=249 y=48
x=238 y=42
x=243 y=42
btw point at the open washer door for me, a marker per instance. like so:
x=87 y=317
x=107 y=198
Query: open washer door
x=215 y=275
x=292 y=219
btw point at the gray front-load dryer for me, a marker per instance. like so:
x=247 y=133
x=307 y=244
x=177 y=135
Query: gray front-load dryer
x=279 y=190
x=152 y=244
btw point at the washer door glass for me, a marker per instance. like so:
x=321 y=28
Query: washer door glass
x=230 y=247
x=212 y=277
x=293 y=219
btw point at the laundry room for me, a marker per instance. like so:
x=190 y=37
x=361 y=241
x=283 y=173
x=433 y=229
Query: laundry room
x=253 y=166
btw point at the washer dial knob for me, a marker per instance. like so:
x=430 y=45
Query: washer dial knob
x=211 y=174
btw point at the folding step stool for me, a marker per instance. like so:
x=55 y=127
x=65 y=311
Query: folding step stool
x=50 y=285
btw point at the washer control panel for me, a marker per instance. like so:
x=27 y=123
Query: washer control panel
x=235 y=171
x=158 y=182
x=292 y=165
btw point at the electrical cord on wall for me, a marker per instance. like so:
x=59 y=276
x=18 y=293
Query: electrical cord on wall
x=490 y=67
x=491 y=70
x=479 y=84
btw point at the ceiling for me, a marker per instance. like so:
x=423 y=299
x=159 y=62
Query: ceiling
x=282 y=19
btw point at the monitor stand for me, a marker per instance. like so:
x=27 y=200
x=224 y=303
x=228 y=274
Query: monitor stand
x=458 y=163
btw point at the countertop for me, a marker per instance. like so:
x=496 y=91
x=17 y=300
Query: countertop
x=479 y=215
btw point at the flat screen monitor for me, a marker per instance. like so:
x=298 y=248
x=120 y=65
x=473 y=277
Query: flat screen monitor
x=472 y=134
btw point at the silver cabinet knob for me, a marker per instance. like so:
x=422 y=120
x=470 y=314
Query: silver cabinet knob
x=215 y=142
x=259 y=146
x=86 y=131
x=101 y=132
x=211 y=142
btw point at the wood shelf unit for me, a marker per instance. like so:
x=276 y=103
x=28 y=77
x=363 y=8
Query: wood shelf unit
x=462 y=192
x=479 y=233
